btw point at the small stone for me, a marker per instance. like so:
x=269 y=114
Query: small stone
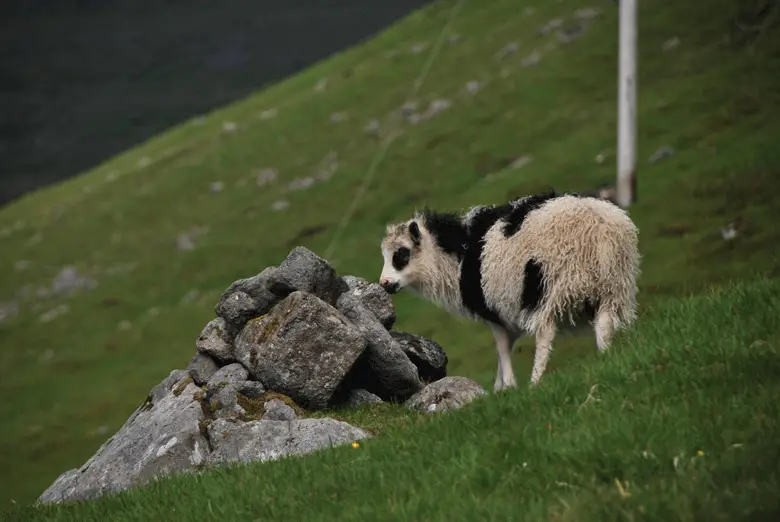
x=214 y=340
x=268 y=114
x=233 y=374
x=125 y=325
x=337 y=117
x=571 y=33
x=670 y=44
x=278 y=410
x=265 y=176
x=229 y=126
x=419 y=47
x=216 y=186
x=8 y=310
x=520 y=162
x=507 y=50
x=237 y=307
x=321 y=85
x=301 y=183
x=54 y=313
x=472 y=86
x=372 y=128
x=224 y=402
x=446 y=394
x=280 y=205
x=550 y=26
x=251 y=389
x=361 y=397
x=190 y=296
x=408 y=108
x=201 y=368
x=587 y=13
x=662 y=153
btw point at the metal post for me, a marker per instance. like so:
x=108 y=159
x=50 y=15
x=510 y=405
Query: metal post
x=626 y=178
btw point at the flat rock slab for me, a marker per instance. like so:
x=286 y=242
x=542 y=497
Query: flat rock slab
x=266 y=440
x=303 y=349
x=156 y=440
x=446 y=394
x=384 y=369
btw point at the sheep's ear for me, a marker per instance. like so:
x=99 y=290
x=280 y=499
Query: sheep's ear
x=414 y=231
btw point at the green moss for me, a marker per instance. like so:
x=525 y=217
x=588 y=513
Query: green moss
x=203 y=427
x=255 y=408
x=181 y=386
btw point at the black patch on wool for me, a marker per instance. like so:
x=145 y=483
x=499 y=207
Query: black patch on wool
x=471 y=267
x=447 y=230
x=533 y=286
x=521 y=210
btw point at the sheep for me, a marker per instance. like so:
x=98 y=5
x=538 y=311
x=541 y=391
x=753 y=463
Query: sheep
x=520 y=268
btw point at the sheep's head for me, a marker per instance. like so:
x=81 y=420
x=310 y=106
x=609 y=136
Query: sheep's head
x=401 y=249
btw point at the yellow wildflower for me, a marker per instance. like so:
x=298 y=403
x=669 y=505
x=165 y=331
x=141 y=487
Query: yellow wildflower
x=355 y=444
x=700 y=453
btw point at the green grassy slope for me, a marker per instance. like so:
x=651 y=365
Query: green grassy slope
x=678 y=423
x=73 y=380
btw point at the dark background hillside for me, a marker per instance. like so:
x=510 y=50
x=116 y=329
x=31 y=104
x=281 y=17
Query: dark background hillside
x=82 y=80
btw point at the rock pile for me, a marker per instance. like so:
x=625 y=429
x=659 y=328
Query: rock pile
x=291 y=339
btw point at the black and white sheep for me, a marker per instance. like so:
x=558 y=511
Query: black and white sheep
x=521 y=267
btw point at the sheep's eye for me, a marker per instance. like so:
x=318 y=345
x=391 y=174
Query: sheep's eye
x=401 y=258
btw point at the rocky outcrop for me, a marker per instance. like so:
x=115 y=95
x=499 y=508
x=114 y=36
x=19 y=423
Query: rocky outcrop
x=292 y=339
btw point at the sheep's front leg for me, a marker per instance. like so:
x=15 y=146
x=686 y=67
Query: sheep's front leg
x=505 y=375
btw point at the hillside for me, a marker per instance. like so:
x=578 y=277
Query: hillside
x=679 y=424
x=156 y=234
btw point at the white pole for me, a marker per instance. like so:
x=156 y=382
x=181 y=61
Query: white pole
x=626 y=179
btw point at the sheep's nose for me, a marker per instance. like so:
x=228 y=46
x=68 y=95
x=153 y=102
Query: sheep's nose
x=389 y=285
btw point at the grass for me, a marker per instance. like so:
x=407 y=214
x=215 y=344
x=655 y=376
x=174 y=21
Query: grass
x=678 y=423
x=75 y=379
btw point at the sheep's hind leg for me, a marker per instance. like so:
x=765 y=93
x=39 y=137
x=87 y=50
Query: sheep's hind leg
x=505 y=375
x=545 y=334
x=604 y=328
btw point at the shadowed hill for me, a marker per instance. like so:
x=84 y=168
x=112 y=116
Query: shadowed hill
x=84 y=80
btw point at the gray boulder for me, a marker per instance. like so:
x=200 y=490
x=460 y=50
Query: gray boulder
x=201 y=368
x=384 y=369
x=307 y=272
x=446 y=394
x=251 y=297
x=303 y=349
x=214 y=341
x=373 y=297
x=267 y=440
x=427 y=355
x=157 y=439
